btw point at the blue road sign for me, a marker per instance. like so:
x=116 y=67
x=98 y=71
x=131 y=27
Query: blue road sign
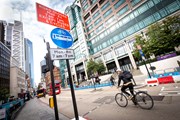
x=61 y=38
x=142 y=54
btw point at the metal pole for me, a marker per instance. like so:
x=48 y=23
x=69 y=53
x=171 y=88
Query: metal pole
x=72 y=91
x=52 y=82
x=147 y=69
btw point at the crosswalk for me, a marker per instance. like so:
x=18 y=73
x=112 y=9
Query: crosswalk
x=170 y=91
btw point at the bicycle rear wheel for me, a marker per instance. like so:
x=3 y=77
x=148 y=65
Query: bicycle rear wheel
x=144 y=100
x=121 y=100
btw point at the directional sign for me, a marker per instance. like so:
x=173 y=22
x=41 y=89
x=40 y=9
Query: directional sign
x=57 y=54
x=61 y=38
x=52 y=17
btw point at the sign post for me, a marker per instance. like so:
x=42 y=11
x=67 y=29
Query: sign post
x=62 y=39
x=52 y=82
x=143 y=58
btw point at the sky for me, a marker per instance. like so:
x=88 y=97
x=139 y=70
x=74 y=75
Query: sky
x=34 y=30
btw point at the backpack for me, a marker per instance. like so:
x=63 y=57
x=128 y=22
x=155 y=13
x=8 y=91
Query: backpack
x=127 y=75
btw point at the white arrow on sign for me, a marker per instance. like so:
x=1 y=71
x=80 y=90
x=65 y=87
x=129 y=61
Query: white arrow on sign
x=57 y=54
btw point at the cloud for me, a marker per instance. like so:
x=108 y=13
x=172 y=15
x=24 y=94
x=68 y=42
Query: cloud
x=11 y=10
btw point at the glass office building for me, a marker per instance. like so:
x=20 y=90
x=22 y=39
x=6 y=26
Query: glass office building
x=5 y=55
x=29 y=61
x=111 y=27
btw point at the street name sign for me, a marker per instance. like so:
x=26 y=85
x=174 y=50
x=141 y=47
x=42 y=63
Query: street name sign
x=57 y=54
x=61 y=38
x=52 y=17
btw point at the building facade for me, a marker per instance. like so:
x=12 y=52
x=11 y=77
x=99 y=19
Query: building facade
x=111 y=27
x=14 y=39
x=17 y=81
x=29 y=61
x=78 y=65
x=5 y=55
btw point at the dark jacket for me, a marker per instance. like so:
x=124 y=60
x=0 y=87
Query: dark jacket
x=121 y=77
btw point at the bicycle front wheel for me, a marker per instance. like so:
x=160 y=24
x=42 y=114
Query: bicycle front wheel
x=121 y=100
x=144 y=100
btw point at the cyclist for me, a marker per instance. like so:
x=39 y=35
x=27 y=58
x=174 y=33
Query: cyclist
x=127 y=83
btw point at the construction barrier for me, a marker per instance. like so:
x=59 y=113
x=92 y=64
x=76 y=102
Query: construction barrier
x=152 y=82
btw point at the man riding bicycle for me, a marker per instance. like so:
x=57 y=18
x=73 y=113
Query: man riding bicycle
x=126 y=77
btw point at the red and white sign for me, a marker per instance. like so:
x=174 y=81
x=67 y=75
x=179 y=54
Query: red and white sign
x=52 y=17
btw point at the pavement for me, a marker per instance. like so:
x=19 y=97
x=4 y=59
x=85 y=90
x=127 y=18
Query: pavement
x=36 y=110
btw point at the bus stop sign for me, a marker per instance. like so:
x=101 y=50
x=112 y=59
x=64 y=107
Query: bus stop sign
x=61 y=38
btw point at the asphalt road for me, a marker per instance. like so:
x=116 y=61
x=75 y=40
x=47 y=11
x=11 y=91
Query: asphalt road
x=100 y=104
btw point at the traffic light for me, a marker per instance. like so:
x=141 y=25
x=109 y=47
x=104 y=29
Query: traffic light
x=48 y=63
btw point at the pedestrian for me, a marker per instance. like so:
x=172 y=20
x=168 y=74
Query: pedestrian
x=113 y=77
x=126 y=77
x=97 y=80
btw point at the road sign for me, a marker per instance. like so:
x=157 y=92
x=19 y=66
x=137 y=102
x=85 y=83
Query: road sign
x=52 y=17
x=57 y=54
x=142 y=54
x=61 y=38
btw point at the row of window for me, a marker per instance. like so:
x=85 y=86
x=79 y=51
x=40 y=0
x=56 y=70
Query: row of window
x=126 y=19
x=103 y=8
x=136 y=27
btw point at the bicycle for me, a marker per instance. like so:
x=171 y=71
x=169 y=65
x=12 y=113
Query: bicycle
x=141 y=98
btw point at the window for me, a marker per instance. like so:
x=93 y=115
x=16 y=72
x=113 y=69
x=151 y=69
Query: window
x=120 y=50
x=89 y=28
x=122 y=11
x=115 y=38
x=119 y=3
x=130 y=30
x=157 y=16
x=107 y=13
x=99 y=28
x=135 y=2
x=95 y=15
x=105 y=6
x=86 y=16
x=85 y=7
x=172 y=7
x=94 y=8
x=101 y=2
x=143 y=8
x=97 y=21
x=163 y=12
x=148 y=20
x=108 y=56
x=108 y=22
x=88 y=22
x=150 y=4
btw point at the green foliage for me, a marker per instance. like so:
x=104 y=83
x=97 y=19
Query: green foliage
x=161 y=38
x=93 y=67
x=4 y=93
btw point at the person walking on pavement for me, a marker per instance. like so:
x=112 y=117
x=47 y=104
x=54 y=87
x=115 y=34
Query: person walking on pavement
x=113 y=77
x=126 y=77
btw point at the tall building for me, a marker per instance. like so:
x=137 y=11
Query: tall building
x=78 y=69
x=29 y=61
x=2 y=30
x=111 y=26
x=5 y=55
x=14 y=39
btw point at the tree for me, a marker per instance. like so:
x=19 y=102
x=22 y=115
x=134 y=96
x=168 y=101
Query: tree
x=161 y=37
x=93 y=67
x=4 y=94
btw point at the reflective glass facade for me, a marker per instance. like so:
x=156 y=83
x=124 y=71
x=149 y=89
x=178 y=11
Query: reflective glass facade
x=5 y=55
x=124 y=18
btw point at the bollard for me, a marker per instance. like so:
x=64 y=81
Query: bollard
x=51 y=103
